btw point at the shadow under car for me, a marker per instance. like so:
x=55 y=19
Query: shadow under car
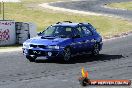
x=82 y=59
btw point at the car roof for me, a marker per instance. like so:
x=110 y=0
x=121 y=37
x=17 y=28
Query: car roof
x=68 y=24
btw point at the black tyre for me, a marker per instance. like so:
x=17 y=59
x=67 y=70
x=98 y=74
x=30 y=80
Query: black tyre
x=95 y=51
x=67 y=54
x=31 y=58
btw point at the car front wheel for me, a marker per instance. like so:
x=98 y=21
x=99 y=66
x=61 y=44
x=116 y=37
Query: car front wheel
x=31 y=58
x=95 y=52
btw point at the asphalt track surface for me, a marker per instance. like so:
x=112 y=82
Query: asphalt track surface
x=114 y=62
x=96 y=6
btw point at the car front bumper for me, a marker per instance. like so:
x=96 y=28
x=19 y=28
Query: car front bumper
x=100 y=45
x=49 y=53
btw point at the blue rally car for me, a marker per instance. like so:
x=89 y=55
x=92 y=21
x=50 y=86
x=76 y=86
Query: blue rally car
x=63 y=40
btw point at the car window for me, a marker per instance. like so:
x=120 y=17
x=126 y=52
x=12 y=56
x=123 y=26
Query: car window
x=78 y=31
x=68 y=29
x=59 y=31
x=91 y=27
x=68 y=32
x=85 y=31
x=49 y=30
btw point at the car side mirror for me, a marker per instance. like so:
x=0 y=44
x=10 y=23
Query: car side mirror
x=39 y=34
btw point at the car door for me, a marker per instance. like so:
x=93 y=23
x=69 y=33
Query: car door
x=88 y=39
x=77 y=41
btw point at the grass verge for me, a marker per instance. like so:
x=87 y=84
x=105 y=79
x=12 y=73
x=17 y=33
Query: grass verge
x=42 y=17
x=122 y=5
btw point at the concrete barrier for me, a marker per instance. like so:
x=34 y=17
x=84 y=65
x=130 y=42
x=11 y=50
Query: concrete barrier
x=7 y=33
x=12 y=32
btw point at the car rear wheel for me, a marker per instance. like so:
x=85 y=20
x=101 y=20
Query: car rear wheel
x=95 y=52
x=31 y=58
x=67 y=54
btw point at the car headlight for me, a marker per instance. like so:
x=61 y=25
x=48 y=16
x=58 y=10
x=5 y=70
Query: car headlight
x=54 y=47
x=26 y=45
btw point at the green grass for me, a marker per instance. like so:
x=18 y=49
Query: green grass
x=44 y=18
x=122 y=5
x=27 y=11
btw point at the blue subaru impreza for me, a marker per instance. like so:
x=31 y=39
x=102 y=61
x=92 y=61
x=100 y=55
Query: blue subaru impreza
x=63 y=40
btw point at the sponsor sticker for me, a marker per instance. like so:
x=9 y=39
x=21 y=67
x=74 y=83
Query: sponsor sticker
x=85 y=81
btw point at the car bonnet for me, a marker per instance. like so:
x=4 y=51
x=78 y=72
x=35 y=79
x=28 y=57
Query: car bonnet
x=46 y=41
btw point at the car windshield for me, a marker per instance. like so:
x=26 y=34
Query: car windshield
x=58 y=31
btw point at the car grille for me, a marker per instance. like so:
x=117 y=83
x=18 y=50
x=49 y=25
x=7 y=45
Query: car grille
x=41 y=53
x=38 y=46
x=37 y=52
